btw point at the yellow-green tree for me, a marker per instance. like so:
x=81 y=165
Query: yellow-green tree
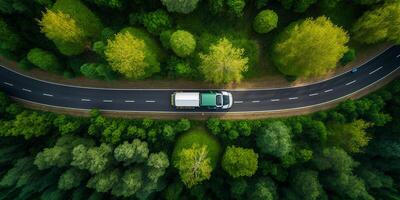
x=310 y=47
x=381 y=24
x=224 y=63
x=194 y=165
x=352 y=137
x=70 y=25
x=131 y=55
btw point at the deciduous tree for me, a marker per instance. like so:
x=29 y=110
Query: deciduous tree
x=274 y=139
x=265 y=21
x=182 y=43
x=183 y=6
x=239 y=161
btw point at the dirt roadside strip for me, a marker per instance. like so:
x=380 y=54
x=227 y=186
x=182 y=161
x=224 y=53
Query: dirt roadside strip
x=202 y=116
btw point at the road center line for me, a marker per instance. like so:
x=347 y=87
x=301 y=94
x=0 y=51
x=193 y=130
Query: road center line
x=49 y=95
x=107 y=101
x=330 y=90
x=9 y=84
x=26 y=90
x=375 y=70
x=85 y=100
x=293 y=98
x=238 y=101
x=349 y=83
x=313 y=94
x=129 y=101
x=275 y=99
x=255 y=101
x=150 y=101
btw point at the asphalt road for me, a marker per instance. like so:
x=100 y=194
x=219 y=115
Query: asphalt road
x=158 y=100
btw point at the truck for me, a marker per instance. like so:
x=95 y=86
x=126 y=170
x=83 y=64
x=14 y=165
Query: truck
x=209 y=99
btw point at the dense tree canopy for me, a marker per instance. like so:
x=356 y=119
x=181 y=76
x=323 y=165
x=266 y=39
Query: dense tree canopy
x=239 y=161
x=275 y=139
x=309 y=47
x=223 y=63
x=44 y=60
x=265 y=21
x=380 y=24
x=182 y=43
x=131 y=55
x=182 y=6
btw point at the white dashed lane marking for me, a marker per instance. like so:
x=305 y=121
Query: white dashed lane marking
x=9 y=84
x=85 y=100
x=129 y=101
x=275 y=99
x=26 y=90
x=349 y=83
x=107 y=101
x=330 y=90
x=238 y=101
x=375 y=70
x=255 y=101
x=150 y=101
x=314 y=94
x=293 y=98
x=48 y=95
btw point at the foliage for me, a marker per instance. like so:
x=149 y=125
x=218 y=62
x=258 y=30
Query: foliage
x=275 y=139
x=93 y=159
x=297 y=6
x=97 y=71
x=71 y=178
x=135 y=152
x=184 y=6
x=349 y=56
x=132 y=55
x=182 y=43
x=236 y=6
x=109 y=3
x=265 y=21
x=70 y=25
x=351 y=137
x=9 y=39
x=44 y=60
x=310 y=47
x=194 y=165
x=224 y=63
x=306 y=185
x=380 y=24
x=157 y=21
x=239 y=161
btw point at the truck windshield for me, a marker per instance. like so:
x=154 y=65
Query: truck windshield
x=219 y=100
x=226 y=99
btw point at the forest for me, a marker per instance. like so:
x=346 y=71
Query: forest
x=350 y=152
x=216 y=41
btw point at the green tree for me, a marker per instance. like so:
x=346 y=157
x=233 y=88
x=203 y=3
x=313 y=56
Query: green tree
x=236 y=6
x=132 y=55
x=70 y=25
x=44 y=60
x=184 y=6
x=379 y=25
x=182 y=43
x=296 y=5
x=67 y=125
x=265 y=21
x=224 y=63
x=157 y=21
x=9 y=39
x=71 y=178
x=94 y=159
x=157 y=164
x=351 y=137
x=130 y=182
x=239 y=161
x=309 y=47
x=264 y=189
x=104 y=181
x=335 y=159
x=306 y=185
x=109 y=3
x=274 y=139
x=194 y=165
x=135 y=152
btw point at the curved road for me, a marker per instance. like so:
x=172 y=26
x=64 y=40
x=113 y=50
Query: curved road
x=158 y=100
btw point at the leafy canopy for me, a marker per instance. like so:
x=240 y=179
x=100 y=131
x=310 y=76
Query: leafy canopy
x=223 y=63
x=265 y=21
x=182 y=6
x=310 y=47
x=130 y=55
x=182 y=43
x=379 y=25
x=274 y=139
x=239 y=161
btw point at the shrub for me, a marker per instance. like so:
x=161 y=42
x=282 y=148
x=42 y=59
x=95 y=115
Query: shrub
x=44 y=60
x=349 y=56
x=97 y=71
x=9 y=40
x=265 y=21
x=236 y=6
x=165 y=37
x=182 y=43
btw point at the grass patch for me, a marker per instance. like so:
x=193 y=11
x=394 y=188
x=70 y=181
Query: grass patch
x=200 y=136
